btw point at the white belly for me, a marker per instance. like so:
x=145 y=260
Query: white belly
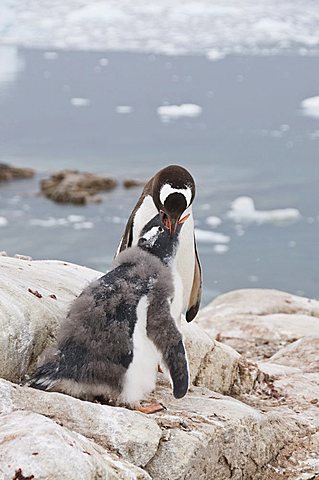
x=140 y=378
x=184 y=262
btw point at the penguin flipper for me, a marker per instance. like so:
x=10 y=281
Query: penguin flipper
x=196 y=293
x=162 y=330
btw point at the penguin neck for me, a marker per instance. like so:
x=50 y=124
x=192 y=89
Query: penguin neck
x=168 y=259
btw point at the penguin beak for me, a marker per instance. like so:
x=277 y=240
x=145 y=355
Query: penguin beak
x=171 y=224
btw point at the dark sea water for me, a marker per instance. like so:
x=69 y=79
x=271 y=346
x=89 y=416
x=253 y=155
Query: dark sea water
x=251 y=139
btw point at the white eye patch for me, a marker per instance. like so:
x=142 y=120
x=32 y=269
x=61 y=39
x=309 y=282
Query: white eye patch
x=152 y=235
x=167 y=190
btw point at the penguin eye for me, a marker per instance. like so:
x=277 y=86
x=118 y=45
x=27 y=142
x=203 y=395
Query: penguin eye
x=142 y=240
x=160 y=229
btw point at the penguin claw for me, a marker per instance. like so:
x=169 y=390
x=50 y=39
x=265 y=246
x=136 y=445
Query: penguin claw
x=151 y=408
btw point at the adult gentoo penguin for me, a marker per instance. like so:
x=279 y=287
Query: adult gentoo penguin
x=171 y=192
x=120 y=328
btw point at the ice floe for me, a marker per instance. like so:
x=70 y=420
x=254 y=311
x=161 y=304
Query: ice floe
x=210 y=237
x=168 y=112
x=215 y=55
x=215 y=28
x=75 y=218
x=213 y=221
x=50 y=55
x=243 y=210
x=80 y=102
x=83 y=225
x=310 y=107
x=124 y=109
x=103 y=62
x=49 y=222
x=3 y=222
x=221 y=248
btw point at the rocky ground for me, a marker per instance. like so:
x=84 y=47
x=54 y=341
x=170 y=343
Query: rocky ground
x=72 y=186
x=8 y=173
x=252 y=411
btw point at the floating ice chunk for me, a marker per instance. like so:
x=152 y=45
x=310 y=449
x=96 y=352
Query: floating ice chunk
x=310 y=107
x=48 y=222
x=243 y=210
x=3 y=222
x=210 y=237
x=220 y=249
x=75 y=218
x=124 y=109
x=50 y=55
x=80 y=102
x=103 y=62
x=168 y=112
x=213 y=221
x=215 y=55
x=83 y=225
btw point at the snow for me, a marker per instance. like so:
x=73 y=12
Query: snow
x=243 y=210
x=214 y=28
x=213 y=221
x=80 y=102
x=168 y=112
x=310 y=107
x=124 y=109
x=3 y=222
x=210 y=237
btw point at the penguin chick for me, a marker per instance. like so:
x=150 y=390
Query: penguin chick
x=120 y=329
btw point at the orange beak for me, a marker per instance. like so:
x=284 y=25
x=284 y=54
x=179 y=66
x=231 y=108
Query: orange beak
x=172 y=226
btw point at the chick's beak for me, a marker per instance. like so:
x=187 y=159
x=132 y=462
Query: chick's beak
x=171 y=224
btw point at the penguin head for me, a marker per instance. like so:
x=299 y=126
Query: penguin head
x=173 y=191
x=156 y=239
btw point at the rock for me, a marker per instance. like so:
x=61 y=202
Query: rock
x=133 y=183
x=132 y=435
x=213 y=364
x=204 y=435
x=43 y=450
x=29 y=324
x=280 y=333
x=302 y=354
x=258 y=322
x=209 y=436
x=294 y=375
x=72 y=186
x=198 y=344
x=219 y=369
x=8 y=173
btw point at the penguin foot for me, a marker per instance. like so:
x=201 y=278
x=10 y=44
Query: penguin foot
x=151 y=408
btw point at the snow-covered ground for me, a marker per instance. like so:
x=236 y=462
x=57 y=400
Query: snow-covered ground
x=215 y=28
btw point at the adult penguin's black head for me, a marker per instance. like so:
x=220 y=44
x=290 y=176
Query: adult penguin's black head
x=173 y=191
